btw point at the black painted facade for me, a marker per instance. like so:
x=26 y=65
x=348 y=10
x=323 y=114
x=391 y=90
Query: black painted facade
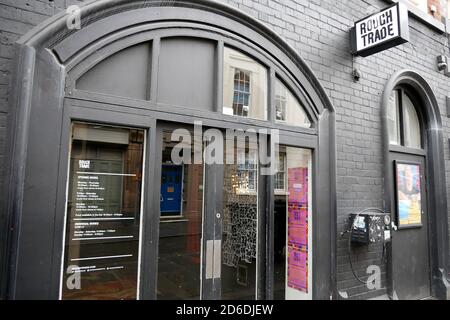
x=306 y=43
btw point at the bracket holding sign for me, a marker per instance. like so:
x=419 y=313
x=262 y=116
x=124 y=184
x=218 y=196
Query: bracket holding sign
x=380 y=31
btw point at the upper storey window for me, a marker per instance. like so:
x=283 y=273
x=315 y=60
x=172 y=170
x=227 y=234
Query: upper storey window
x=287 y=108
x=245 y=86
x=403 y=120
x=435 y=8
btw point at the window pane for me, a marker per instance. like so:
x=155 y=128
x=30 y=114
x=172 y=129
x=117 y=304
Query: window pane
x=280 y=101
x=292 y=226
x=103 y=213
x=280 y=176
x=186 y=73
x=245 y=86
x=420 y=4
x=124 y=74
x=239 y=227
x=287 y=107
x=246 y=171
x=448 y=9
x=425 y=6
x=411 y=124
x=180 y=229
x=394 y=119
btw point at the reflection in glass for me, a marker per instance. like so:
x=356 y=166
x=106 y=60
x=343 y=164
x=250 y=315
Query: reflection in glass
x=292 y=228
x=245 y=86
x=246 y=172
x=403 y=121
x=394 y=119
x=241 y=93
x=101 y=250
x=420 y=4
x=412 y=126
x=287 y=108
x=181 y=207
x=239 y=228
x=280 y=176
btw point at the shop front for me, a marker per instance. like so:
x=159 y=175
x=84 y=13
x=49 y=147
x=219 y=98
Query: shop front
x=173 y=150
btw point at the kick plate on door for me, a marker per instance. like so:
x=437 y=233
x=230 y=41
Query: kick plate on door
x=213 y=259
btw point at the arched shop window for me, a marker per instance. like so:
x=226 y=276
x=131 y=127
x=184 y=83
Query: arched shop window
x=403 y=121
x=135 y=223
x=186 y=73
x=288 y=108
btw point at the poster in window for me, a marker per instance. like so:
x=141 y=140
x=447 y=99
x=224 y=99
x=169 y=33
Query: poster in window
x=409 y=205
x=298 y=268
x=297 y=250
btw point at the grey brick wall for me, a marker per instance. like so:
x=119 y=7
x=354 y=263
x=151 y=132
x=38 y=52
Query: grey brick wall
x=318 y=29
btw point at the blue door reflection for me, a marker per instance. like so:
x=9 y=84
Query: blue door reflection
x=171 y=189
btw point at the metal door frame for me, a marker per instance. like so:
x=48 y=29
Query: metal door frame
x=416 y=159
x=211 y=201
x=76 y=113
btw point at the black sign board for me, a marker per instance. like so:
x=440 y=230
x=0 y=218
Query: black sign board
x=380 y=31
x=103 y=220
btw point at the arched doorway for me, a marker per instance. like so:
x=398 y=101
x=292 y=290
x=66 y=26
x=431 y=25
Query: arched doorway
x=415 y=188
x=103 y=101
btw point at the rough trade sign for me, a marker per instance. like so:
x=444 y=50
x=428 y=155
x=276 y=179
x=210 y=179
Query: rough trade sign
x=380 y=31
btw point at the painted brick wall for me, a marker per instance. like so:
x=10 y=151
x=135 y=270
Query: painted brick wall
x=318 y=29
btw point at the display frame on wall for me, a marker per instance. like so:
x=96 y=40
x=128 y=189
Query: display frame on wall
x=415 y=194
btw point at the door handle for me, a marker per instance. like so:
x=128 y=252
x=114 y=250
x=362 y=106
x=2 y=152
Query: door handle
x=209 y=259
x=393 y=226
x=217 y=259
x=213 y=259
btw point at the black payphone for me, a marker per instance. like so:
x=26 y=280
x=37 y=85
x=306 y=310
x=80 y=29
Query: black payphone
x=371 y=225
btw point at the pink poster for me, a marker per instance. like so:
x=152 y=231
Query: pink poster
x=298 y=269
x=298 y=185
x=298 y=228
x=297 y=215
x=298 y=279
x=298 y=258
x=298 y=236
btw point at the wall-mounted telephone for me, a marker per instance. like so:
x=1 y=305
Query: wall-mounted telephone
x=369 y=226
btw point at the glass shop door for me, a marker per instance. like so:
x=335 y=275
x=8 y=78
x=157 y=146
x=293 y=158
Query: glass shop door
x=208 y=216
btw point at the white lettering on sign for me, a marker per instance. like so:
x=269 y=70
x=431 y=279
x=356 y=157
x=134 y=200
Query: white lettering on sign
x=84 y=164
x=377 y=29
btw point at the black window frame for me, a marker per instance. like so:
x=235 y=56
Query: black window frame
x=400 y=121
